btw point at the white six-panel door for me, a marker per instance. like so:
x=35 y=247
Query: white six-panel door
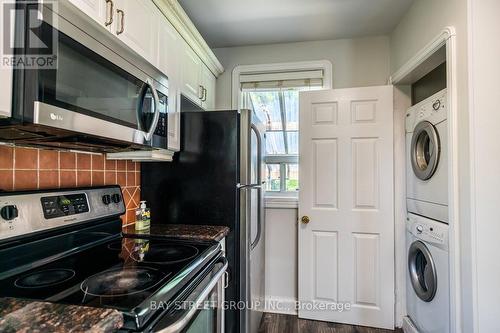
x=346 y=251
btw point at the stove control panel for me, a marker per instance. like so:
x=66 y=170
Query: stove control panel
x=22 y=213
x=64 y=205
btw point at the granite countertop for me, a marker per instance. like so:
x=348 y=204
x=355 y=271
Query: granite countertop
x=18 y=315
x=184 y=231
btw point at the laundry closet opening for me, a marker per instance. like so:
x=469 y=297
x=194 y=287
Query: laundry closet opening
x=424 y=225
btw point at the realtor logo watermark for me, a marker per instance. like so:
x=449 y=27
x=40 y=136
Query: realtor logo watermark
x=255 y=305
x=27 y=42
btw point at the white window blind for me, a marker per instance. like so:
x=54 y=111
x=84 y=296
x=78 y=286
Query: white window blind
x=281 y=80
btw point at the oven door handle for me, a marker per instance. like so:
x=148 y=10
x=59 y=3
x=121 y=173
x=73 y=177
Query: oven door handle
x=183 y=321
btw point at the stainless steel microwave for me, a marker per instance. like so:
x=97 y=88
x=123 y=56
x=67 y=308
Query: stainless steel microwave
x=97 y=95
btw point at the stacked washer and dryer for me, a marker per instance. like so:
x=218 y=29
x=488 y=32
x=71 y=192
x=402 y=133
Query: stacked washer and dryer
x=427 y=286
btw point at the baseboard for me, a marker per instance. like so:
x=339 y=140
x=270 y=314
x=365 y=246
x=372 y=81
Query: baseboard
x=280 y=305
x=408 y=326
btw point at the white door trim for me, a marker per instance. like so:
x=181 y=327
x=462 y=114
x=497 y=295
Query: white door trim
x=446 y=38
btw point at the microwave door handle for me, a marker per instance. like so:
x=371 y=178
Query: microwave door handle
x=149 y=134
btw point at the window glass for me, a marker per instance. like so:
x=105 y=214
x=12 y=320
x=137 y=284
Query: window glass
x=292 y=177
x=291 y=100
x=267 y=103
x=275 y=143
x=273 y=179
x=279 y=110
x=293 y=142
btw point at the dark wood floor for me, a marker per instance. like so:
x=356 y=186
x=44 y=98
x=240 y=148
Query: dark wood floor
x=280 y=323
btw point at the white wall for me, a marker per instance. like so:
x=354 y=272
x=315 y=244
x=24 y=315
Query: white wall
x=281 y=255
x=424 y=21
x=356 y=62
x=484 y=72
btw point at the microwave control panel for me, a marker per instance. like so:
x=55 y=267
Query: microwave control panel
x=162 y=127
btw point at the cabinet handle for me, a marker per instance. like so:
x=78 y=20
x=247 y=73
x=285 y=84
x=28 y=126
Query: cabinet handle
x=200 y=92
x=204 y=99
x=122 y=21
x=109 y=18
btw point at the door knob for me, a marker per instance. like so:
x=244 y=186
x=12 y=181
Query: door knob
x=305 y=219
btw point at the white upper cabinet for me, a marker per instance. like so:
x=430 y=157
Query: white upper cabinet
x=169 y=44
x=101 y=11
x=198 y=82
x=191 y=75
x=136 y=24
x=208 y=86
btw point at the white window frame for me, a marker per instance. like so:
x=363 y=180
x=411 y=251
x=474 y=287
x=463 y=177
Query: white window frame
x=278 y=199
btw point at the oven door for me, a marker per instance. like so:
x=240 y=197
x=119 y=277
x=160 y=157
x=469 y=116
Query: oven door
x=202 y=311
x=90 y=89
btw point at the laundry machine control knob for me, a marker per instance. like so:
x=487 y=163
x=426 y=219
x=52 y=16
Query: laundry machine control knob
x=436 y=105
x=420 y=229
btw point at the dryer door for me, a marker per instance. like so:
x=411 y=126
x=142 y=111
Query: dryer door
x=422 y=271
x=425 y=150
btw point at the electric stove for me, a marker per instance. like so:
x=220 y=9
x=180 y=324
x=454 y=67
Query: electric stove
x=67 y=247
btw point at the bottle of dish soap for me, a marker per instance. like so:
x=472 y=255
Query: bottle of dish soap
x=142 y=217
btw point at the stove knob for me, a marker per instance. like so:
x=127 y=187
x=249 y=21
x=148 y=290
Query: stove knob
x=9 y=212
x=420 y=229
x=106 y=199
x=116 y=198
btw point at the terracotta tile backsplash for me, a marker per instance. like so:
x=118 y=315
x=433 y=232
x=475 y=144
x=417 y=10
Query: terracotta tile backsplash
x=30 y=168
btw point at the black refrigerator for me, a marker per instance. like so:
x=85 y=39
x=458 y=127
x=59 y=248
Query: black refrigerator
x=216 y=179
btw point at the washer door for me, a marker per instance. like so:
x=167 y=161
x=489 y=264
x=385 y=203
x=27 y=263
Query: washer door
x=422 y=271
x=425 y=150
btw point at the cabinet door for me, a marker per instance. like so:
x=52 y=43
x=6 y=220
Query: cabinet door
x=169 y=55
x=136 y=24
x=191 y=74
x=208 y=82
x=99 y=10
x=169 y=45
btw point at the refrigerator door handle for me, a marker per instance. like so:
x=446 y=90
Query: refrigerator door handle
x=254 y=243
x=259 y=221
x=249 y=186
x=259 y=152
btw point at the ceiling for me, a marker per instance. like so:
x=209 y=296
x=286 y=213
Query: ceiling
x=225 y=23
